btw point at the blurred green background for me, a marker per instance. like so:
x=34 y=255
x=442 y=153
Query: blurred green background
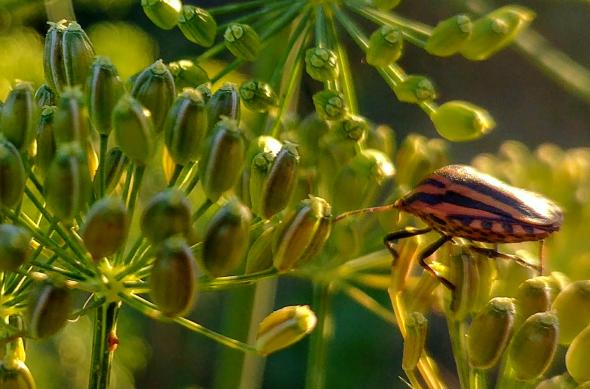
x=527 y=104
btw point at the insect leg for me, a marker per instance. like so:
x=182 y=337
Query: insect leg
x=428 y=251
x=407 y=232
x=491 y=253
x=541 y=251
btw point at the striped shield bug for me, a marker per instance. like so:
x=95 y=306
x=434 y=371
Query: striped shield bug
x=459 y=201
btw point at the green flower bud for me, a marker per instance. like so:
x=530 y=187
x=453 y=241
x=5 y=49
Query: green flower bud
x=495 y=31
x=533 y=345
x=104 y=88
x=163 y=13
x=115 y=164
x=572 y=307
x=359 y=183
x=106 y=227
x=197 y=25
x=187 y=74
x=385 y=4
x=533 y=296
x=260 y=253
x=576 y=358
x=226 y=239
x=78 y=54
x=224 y=102
x=44 y=96
x=173 y=282
x=134 y=130
x=382 y=138
x=12 y=175
x=186 y=126
x=284 y=327
x=46 y=147
x=222 y=158
x=449 y=36
x=67 y=182
x=280 y=183
x=49 y=309
x=416 y=328
x=242 y=41
x=168 y=213
x=460 y=121
x=386 y=46
x=19 y=114
x=302 y=233
x=16 y=375
x=321 y=64
x=415 y=89
x=154 y=89
x=490 y=332
x=330 y=105
x=53 y=61
x=15 y=247
x=71 y=118
x=258 y=96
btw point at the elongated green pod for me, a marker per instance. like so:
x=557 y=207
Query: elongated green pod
x=186 y=126
x=168 y=213
x=134 y=129
x=460 y=121
x=16 y=375
x=386 y=46
x=163 y=13
x=49 y=309
x=197 y=25
x=416 y=329
x=116 y=162
x=321 y=64
x=78 y=54
x=224 y=102
x=44 y=95
x=576 y=359
x=226 y=239
x=572 y=307
x=173 y=281
x=154 y=88
x=103 y=89
x=12 y=175
x=449 y=36
x=280 y=182
x=15 y=247
x=242 y=41
x=533 y=296
x=106 y=227
x=284 y=327
x=46 y=147
x=187 y=74
x=19 y=115
x=258 y=96
x=415 y=89
x=53 y=62
x=258 y=174
x=260 y=252
x=71 y=118
x=330 y=105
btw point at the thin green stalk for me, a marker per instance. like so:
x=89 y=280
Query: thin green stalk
x=320 y=338
x=103 y=345
x=478 y=379
x=202 y=209
x=236 y=63
x=233 y=281
x=193 y=181
x=456 y=332
x=175 y=175
x=104 y=140
x=258 y=16
x=368 y=303
x=236 y=7
x=137 y=181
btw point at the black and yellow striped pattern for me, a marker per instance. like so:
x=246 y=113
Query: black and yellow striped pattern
x=457 y=200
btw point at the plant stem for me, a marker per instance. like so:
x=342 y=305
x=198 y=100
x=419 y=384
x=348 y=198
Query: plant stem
x=103 y=345
x=320 y=338
x=104 y=140
x=456 y=332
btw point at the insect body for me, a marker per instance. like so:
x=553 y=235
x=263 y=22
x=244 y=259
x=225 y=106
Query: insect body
x=459 y=201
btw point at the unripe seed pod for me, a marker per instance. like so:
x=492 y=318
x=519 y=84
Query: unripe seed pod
x=302 y=233
x=224 y=102
x=197 y=25
x=382 y=138
x=495 y=31
x=321 y=64
x=562 y=381
x=460 y=121
x=464 y=273
x=106 y=227
x=386 y=46
x=415 y=89
x=222 y=158
x=46 y=147
x=284 y=327
x=572 y=307
x=280 y=183
x=187 y=74
x=576 y=358
x=115 y=164
x=330 y=105
x=258 y=174
x=17 y=122
x=260 y=253
x=490 y=332
x=226 y=240
x=533 y=296
x=78 y=54
x=205 y=92
x=67 y=184
x=16 y=375
x=15 y=247
x=309 y=133
x=53 y=61
x=258 y=96
x=134 y=130
x=260 y=145
x=449 y=36
x=173 y=282
x=385 y=4
x=71 y=118
x=186 y=126
x=163 y=13
x=49 y=310
x=12 y=175
x=242 y=41
x=168 y=213
x=533 y=345
x=154 y=89
x=104 y=88
x=45 y=96
x=416 y=328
